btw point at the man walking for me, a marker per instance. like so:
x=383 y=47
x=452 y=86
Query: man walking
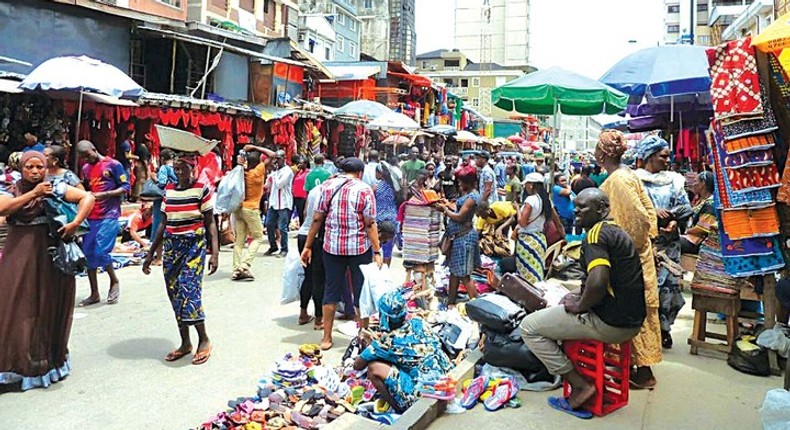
x=106 y=179
x=412 y=168
x=317 y=175
x=487 y=178
x=281 y=203
x=369 y=176
x=347 y=212
x=248 y=216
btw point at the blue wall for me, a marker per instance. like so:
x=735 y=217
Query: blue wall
x=35 y=31
x=344 y=31
x=231 y=77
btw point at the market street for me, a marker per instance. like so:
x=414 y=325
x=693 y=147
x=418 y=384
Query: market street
x=121 y=381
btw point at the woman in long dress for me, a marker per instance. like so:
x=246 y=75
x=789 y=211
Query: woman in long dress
x=187 y=231
x=531 y=242
x=37 y=299
x=633 y=210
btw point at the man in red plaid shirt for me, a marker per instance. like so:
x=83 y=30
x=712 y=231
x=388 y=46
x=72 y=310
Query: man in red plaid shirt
x=347 y=211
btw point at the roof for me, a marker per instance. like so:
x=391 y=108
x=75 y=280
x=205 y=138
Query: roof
x=320 y=25
x=432 y=54
x=353 y=72
x=476 y=67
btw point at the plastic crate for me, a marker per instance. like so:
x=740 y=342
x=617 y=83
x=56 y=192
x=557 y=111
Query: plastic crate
x=607 y=366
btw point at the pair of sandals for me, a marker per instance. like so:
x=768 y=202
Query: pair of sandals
x=242 y=275
x=200 y=357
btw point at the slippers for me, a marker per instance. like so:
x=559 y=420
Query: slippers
x=502 y=394
x=87 y=302
x=202 y=356
x=113 y=295
x=473 y=392
x=561 y=404
x=177 y=354
x=309 y=319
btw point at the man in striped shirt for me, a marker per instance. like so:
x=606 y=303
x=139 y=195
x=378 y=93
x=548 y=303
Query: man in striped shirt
x=347 y=211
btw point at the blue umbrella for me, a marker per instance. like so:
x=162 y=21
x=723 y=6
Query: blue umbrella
x=662 y=71
x=83 y=74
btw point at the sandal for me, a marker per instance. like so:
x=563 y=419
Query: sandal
x=113 y=295
x=87 y=302
x=309 y=319
x=202 y=356
x=177 y=354
x=561 y=404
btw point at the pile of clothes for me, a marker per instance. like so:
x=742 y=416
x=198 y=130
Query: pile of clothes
x=420 y=230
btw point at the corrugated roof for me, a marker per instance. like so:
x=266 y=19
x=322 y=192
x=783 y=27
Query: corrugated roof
x=432 y=54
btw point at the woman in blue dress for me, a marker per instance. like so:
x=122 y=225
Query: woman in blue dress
x=386 y=206
x=464 y=255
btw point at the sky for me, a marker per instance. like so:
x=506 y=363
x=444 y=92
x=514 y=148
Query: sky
x=589 y=40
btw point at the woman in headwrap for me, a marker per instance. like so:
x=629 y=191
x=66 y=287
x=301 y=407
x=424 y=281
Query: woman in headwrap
x=405 y=352
x=38 y=300
x=703 y=220
x=668 y=194
x=187 y=230
x=632 y=209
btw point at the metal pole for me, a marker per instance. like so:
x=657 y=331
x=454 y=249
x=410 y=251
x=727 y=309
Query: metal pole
x=555 y=143
x=205 y=74
x=173 y=68
x=692 y=23
x=77 y=131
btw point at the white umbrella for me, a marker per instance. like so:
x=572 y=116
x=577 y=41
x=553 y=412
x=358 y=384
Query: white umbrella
x=466 y=136
x=362 y=109
x=393 y=121
x=184 y=141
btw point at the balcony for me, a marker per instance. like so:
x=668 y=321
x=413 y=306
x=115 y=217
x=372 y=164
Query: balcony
x=459 y=91
x=724 y=15
x=750 y=19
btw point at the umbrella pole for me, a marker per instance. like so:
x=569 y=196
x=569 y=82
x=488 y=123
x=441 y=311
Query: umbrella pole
x=77 y=130
x=555 y=144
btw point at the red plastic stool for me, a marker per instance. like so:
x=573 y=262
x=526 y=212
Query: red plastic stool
x=607 y=366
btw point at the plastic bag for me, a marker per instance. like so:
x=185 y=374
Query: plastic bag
x=230 y=192
x=775 y=339
x=68 y=258
x=455 y=332
x=543 y=383
x=60 y=213
x=775 y=412
x=377 y=283
x=748 y=357
x=293 y=276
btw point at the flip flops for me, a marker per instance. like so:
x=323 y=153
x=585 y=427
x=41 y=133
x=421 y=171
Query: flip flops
x=441 y=389
x=177 y=354
x=502 y=394
x=561 y=404
x=473 y=392
x=202 y=356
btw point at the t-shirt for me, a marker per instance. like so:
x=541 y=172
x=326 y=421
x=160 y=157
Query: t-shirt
x=123 y=148
x=300 y=179
x=449 y=184
x=606 y=244
x=582 y=183
x=38 y=146
x=317 y=175
x=487 y=176
x=502 y=211
x=138 y=223
x=309 y=210
x=536 y=217
x=253 y=186
x=563 y=204
x=185 y=208
x=512 y=188
x=599 y=178
x=106 y=175
x=411 y=168
x=143 y=153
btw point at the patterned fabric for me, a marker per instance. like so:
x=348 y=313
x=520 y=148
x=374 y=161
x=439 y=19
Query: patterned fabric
x=345 y=232
x=749 y=223
x=530 y=256
x=779 y=76
x=709 y=273
x=106 y=175
x=386 y=204
x=745 y=247
x=68 y=177
x=465 y=254
x=735 y=82
x=415 y=353
x=742 y=267
x=749 y=143
x=392 y=310
x=666 y=190
x=754 y=178
x=183 y=262
x=724 y=196
x=751 y=126
x=185 y=208
x=751 y=158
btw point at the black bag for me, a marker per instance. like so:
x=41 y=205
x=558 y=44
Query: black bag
x=152 y=191
x=568 y=270
x=449 y=334
x=60 y=213
x=68 y=258
x=495 y=312
x=753 y=361
x=509 y=350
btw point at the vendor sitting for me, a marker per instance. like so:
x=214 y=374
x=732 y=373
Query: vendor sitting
x=403 y=353
x=138 y=222
x=610 y=308
x=704 y=215
x=497 y=216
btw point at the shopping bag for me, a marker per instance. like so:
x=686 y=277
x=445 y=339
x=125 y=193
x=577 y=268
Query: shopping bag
x=378 y=281
x=152 y=191
x=60 y=213
x=68 y=258
x=226 y=234
x=293 y=276
x=230 y=192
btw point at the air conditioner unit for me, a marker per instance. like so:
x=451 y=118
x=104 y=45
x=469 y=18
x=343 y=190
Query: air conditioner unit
x=300 y=38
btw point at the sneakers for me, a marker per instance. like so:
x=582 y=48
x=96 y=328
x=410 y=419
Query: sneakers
x=282 y=254
x=271 y=251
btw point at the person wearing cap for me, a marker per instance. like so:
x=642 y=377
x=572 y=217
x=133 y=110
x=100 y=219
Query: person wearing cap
x=281 y=203
x=486 y=178
x=347 y=213
x=530 y=241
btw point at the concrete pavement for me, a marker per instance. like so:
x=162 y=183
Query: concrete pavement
x=121 y=381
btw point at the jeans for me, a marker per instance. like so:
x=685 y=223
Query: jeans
x=278 y=219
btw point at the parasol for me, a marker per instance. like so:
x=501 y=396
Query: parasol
x=393 y=121
x=184 y=141
x=363 y=109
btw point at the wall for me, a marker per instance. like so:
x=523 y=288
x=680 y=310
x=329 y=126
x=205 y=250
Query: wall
x=506 y=39
x=231 y=77
x=159 y=8
x=375 y=29
x=41 y=30
x=350 y=36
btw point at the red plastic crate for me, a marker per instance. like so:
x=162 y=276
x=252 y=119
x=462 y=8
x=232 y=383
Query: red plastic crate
x=607 y=366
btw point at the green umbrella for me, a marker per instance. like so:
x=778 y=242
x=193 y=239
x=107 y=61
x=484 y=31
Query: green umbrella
x=555 y=90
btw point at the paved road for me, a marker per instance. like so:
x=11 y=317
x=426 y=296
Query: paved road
x=120 y=380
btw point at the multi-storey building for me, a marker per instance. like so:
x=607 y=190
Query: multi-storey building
x=703 y=22
x=493 y=31
x=341 y=16
x=388 y=29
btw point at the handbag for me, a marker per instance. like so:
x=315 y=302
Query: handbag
x=152 y=191
x=522 y=292
x=226 y=234
x=553 y=229
x=446 y=243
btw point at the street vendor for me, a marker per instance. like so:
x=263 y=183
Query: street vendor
x=610 y=308
x=498 y=216
x=402 y=354
x=138 y=222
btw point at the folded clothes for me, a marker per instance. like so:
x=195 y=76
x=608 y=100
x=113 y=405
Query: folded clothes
x=762 y=157
x=754 y=178
x=748 y=223
x=749 y=143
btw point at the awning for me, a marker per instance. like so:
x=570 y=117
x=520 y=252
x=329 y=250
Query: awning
x=9 y=86
x=9 y=60
x=268 y=113
x=89 y=97
x=353 y=73
x=415 y=79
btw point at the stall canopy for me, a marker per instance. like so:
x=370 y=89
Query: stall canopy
x=393 y=121
x=82 y=74
x=362 y=109
x=556 y=90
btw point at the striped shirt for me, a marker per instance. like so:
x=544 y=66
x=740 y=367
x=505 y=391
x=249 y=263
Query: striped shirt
x=344 y=226
x=185 y=208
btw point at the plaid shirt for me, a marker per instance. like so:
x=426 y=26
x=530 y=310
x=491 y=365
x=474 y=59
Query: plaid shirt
x=344 y=226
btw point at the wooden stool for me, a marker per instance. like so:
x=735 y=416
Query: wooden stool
x=427 y=271
x=707 y=301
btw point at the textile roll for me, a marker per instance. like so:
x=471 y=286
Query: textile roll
x=749 y=143
x=748 y=223
x=735 y=81
x=754 y=178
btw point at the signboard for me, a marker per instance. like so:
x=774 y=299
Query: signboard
x=247 y=21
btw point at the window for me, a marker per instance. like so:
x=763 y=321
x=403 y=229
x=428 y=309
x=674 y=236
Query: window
x=248 y=5
x=341 y=18
x=328 y=53
x=352 y=24
x=424 y=65
x=475 y=102
x=703 y=40
x=464 y=83
x=311 y=46
x=341 y=44
x=174 y=3
x=673 y=29
x=452 y=63
x=266 y=7
x=368 y=4
x=352 y=49
x=673 y=8
x=702 y=7
x=475 y=82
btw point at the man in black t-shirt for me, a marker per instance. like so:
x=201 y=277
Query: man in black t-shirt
x=610 y=307
x=447 y=178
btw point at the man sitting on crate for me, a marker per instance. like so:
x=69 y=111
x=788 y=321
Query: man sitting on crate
x=610 y=307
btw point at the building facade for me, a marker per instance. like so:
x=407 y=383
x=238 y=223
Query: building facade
x=493 y=31
x=703 y=22
x=388 y=29
x=341 y=16
x=751 y=21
